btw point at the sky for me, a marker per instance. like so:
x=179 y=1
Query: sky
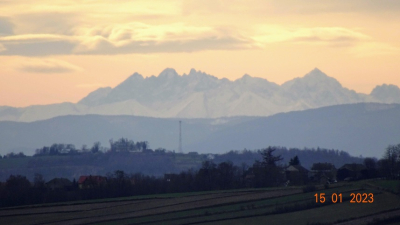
x=54 y=51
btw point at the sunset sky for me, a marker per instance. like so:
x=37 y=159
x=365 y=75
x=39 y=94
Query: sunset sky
x=57 y=51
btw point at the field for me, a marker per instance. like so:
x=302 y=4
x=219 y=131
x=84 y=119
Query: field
x=249 y=206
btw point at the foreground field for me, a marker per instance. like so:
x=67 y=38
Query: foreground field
x=255 y=206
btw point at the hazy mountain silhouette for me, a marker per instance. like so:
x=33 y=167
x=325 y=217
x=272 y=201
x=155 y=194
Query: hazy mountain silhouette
x=363 y=128
x=199 y=95
x=386 y=93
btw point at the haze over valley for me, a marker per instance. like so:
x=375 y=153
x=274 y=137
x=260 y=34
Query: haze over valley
x=360 y=129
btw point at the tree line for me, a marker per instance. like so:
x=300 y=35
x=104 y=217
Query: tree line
x=121 y=145
x=269 y=171
x=12 y=155
x=65 y=160
x=17 y=190
x=390 y=163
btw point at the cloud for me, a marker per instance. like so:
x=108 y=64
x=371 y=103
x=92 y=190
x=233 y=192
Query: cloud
x=6 y=27
x=101 y=27
x=362 y=6
x=357 y=43
x=125 y=38
x=314 y=35
x=37 y=45
x=288 y=7
x=47 y=66
x=323 y=7
x=205 y=6
x=33 y=38
x=48 y=22
x=144 y=38
x=92 y=11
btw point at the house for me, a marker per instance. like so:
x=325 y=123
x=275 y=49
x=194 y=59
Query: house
x=352 y=171
x=323 y=173
x=324 y=179
x=59 y=183
x=87 y=182
x=296 y=174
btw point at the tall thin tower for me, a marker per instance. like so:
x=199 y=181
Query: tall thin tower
x=180 y=136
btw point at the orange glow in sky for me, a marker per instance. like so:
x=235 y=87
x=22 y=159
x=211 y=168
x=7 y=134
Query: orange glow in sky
x=58 y=51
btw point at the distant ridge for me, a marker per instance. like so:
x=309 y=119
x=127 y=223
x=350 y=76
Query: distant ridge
x=360 y=129
x=200 y=95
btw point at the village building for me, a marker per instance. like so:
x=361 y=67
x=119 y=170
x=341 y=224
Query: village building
x=323 y=173
x=352 y=171
x=87 y=182
x=296 y=174
x=59 y=183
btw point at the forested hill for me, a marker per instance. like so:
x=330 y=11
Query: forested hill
x=359 y=129
x=73 y=164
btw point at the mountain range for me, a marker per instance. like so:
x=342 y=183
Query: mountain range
x=360 y=129
x=199 y=95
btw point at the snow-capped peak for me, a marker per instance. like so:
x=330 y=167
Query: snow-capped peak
x=136 y=76
x=168 y=73
x=201 y=95
x=386 y=93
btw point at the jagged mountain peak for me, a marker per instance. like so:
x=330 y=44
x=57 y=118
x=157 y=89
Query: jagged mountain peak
x=193 y=71
x=94 y=97
x=198 y=94
x=317 y=89
x=246 y=76
x=317 y=74
x=389 y=87
x=168 y=73
x=136 y=75
x=317 y=71
x=386 y=93
x=245 y=79
x=199 y=74
x=169 y=86
x=131 y=80
x=313 y=79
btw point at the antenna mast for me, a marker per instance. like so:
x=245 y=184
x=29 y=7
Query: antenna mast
x=180 y=136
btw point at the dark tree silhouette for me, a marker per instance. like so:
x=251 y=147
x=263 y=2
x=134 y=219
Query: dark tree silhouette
x=294 y=161
x=390 y=163
x=96 y=147
x=268 y=158
x=38 y=181
x=267 y=173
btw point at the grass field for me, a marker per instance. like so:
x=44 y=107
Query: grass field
x=248 y=206
x=388 y=185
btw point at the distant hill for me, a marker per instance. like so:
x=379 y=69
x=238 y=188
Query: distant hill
x=360 y=129
x=200 y=95
x=155 y=163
